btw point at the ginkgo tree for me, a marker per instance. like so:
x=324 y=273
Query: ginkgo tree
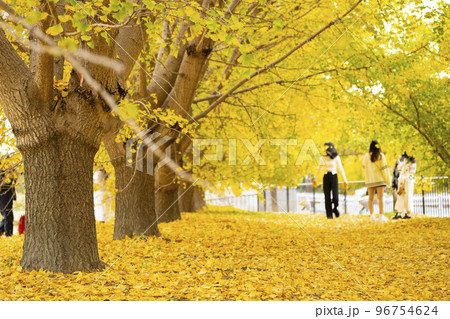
x=58 y=132
x=60 y=121
x=353 y=56
x=199 y=51
x=404 y=86
x=243 y=70
x=254 y=41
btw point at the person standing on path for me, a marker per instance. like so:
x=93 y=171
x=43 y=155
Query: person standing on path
x=7 y=196
x=406 y=183
x=377 y=177
x=101 y=204
x=395 y=182
x=331 y=163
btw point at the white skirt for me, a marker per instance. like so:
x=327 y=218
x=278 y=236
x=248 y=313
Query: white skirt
x=101 y=208
x=405 y=201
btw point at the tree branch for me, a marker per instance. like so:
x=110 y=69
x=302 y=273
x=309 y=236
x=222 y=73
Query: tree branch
x=444 y=155
x=44 y=63
x=5 y=7
x=51 y=7
x=214 y=97
x=163 y=81
x=105 y=26
x=417 y=110
x=163 y=49
x=52 y=48
x=130 y=43
x=14 y=74
x=266 y=68
x=22 y=48
x=231 y=7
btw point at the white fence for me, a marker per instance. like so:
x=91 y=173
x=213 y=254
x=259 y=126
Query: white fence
x=304 y=198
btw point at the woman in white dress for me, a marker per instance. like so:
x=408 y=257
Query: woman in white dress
x=406 y=181
x=101 y=209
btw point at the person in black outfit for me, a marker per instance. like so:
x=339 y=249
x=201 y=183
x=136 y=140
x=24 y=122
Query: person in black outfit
x=331 y=163
x=7 y=196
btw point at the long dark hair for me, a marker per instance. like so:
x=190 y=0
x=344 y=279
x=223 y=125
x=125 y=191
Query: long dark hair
x=331 y=150
x=375 y=151
x=404 y=156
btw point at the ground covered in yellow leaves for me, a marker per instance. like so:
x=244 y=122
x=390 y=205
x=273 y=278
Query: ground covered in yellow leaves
x=249 y=256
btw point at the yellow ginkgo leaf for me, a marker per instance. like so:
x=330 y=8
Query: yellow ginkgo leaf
x=55 y=30
x=224 y=253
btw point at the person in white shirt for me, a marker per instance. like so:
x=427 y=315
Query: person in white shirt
x=101 y=205
x=331 y=163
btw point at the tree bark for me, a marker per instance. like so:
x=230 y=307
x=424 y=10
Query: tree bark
x=166 y=203
x=162 y=81
x=191 y=198
x=135 y=204
x=274 y=200
x=58 y=141
x=180 y=99
x=60 y=227
x=135 y=213
x=167 y=206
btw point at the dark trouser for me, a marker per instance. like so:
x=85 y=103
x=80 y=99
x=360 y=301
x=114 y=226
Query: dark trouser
x=330 y=183
x=7 y=224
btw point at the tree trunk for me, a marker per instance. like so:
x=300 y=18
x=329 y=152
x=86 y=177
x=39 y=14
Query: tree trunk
x=135 y=213
x=166 y=203
x=274 y=200
x=58 y=137
x=191 y=199
x=167 y=206
x=192 y=69
x=135 y=203
x=60 y=227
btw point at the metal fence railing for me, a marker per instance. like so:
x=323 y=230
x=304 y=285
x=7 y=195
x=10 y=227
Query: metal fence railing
x=431 y=198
